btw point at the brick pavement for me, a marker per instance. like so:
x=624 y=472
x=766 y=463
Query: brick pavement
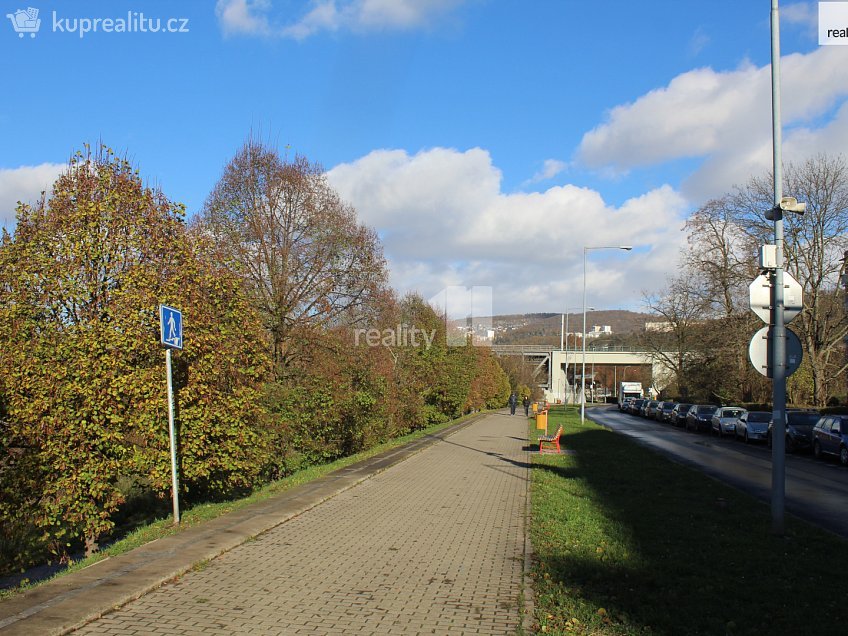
x=433 y=545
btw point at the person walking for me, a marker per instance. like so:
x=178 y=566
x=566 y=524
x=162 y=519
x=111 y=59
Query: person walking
x=526 y=405
x=513 y=402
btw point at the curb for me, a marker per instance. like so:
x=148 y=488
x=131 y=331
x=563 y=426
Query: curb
x=528 y=615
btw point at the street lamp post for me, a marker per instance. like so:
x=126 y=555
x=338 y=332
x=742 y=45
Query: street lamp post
x=583 y=372
x=563 y=338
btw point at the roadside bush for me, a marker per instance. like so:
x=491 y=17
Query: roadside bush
x=80 y=283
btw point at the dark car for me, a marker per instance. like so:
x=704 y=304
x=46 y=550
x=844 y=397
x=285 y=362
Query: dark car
x=635 y=405
x=678 y=414
x=651 y=409
x=753 y=425
x=830 y=437
x=799 y=429
x=700 y=417
x=664 y=411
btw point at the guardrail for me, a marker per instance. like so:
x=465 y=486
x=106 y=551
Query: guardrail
x=523 y=348
x=537 y=348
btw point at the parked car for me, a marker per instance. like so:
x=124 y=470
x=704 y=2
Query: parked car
x=699 y=417
x=830 y=437
x=664 y=411
x=724 y=420
x=678 y=414
x=651 y=409
x=799 y=429
x=622 y=406
x=635 y=405
x=753 y=425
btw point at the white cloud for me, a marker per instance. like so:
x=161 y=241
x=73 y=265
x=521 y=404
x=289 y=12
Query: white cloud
x=698 y=41
x=251 y=17
x=24 y=184
x=395 y=14
x=323 y=17
x=804 y=14
x=723 y=117
x=684 y=119
x=804 y=141
x=243 y=17
x=550 y=169
x=445 y=220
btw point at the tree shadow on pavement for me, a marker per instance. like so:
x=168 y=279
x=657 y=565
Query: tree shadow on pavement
x=501 y=456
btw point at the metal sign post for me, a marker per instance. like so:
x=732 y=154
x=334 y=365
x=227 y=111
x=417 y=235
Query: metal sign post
x=171 y=327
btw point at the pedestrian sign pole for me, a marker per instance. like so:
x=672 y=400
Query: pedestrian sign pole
x=171 y=327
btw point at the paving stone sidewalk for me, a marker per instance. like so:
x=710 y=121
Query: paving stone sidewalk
x=433 y=545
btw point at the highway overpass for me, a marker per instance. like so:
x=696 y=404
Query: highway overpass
x=559 y=372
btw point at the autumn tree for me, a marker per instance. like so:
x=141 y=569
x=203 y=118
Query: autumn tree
x=303 y=257
x=490 y=385
x=83 y=381
x=436 y=377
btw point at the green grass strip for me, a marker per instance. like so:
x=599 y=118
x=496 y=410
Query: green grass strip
x=629 y=542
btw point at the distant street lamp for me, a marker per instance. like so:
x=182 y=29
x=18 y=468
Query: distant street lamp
x=563 y=342
x=583 y=373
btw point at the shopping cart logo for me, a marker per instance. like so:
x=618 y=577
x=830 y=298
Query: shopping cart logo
x=25 y=21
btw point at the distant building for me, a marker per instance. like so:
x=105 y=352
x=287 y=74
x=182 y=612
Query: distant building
x=597 y=331
x=660 y=325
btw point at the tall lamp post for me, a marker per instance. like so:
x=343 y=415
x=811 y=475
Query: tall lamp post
x=583 y=372
x=563 y=345
x=778 y=321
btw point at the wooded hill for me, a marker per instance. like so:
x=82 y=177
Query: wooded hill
x=545 y=328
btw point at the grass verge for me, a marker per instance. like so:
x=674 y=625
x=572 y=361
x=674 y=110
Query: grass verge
x=629 y=542
x=200 y=513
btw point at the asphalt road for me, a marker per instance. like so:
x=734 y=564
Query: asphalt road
x=816 y=491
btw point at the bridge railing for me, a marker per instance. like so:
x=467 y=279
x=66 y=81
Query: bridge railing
x=522 y=348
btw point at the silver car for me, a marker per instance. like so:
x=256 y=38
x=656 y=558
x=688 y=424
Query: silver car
x=753 y=425
x=724 y=420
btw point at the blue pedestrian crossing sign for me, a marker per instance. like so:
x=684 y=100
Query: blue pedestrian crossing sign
x=171 y=324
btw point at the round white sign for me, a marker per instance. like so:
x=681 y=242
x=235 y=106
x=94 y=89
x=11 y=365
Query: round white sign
x=759 y=352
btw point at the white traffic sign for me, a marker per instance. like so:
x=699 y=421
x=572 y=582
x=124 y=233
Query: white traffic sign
x=760 y=297
x=759 y=352
x=171 y=326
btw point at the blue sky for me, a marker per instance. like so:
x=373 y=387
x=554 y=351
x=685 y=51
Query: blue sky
x=487 y=141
